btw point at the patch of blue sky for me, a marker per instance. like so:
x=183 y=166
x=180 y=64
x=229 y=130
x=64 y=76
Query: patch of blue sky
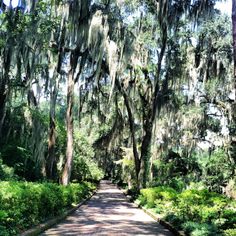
x=224 y=6
x=12 y=3
x=23 y=5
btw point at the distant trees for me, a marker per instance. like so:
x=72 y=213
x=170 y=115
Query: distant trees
x=152 y=84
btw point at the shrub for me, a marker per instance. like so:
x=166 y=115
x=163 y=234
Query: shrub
x=177 y=183
x=6 y=172
x=201 y=205
x=148 y=197
x=24 y=204
x=230 y=232
x=174 y=220
x=197 y=212
x=18 y=160
x=151 y=196
x=216 y=169
x=199 y=229
x=230 y=216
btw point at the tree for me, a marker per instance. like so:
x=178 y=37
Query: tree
x=233 y=106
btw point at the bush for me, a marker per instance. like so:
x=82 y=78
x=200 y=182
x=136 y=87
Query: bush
x=230 y=215
x=201 y=205
x=199 y=229
x=174 y=220
x=150 y=196
x=25 y=204
x=216 y=169
x=230 y=232
x=6 y=172
x=18 y=159
x=197 y=212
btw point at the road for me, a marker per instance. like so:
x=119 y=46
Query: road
x=108 y=213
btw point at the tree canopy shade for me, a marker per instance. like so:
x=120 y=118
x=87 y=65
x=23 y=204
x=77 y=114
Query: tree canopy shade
x=145 y=86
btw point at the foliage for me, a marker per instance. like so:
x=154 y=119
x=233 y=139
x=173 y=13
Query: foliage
x=211 y=170
x=149 y=196
x=197 y=212
x=199 y=229
x=85 y=166
x=216 y=169
x=86 y=169
x=230 y=232
x=6 y=172
x=127 y=166
x=175 y=170
x=19 y=158
x=24 y=204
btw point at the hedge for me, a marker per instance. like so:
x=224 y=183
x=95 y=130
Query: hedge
x=24 y=204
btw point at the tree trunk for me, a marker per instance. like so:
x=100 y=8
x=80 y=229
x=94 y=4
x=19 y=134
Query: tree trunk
x=132 y=130
x=234 y=55
x=149 y=116
x=234 y=37
x=145 y=153
x=233 y=105
x=69 y=124
x=3 y=86
x=147 y=137
x=50 y=163
x=135 y=151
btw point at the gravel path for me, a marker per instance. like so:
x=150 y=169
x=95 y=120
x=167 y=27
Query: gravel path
x=108 y=213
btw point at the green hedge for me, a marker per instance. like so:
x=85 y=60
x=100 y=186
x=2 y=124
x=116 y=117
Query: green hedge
x=197 y=212
x=24 y=204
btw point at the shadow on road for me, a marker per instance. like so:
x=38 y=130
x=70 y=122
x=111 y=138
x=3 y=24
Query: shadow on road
x=108 y=213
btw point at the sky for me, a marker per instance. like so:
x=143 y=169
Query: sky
x=13 y=3
x=225 y=6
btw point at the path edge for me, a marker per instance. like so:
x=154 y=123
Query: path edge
x=49 y=223
x=164 y=223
